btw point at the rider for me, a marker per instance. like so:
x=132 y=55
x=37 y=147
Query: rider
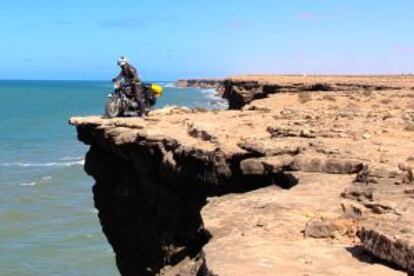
x=131 y=77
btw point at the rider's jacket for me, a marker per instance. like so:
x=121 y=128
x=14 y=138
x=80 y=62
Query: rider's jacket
x=129 y=74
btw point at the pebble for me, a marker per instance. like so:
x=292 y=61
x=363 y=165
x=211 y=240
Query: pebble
x=366 y=136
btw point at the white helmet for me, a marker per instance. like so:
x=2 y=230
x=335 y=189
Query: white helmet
x=122 y=61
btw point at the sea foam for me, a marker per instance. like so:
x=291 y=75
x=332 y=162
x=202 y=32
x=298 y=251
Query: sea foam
x=47 y=164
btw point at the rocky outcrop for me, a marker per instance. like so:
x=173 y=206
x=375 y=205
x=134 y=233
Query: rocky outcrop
x=283 y=186
x=150 y=189
x=394 y=245
x=149 y=192
x=148 y=225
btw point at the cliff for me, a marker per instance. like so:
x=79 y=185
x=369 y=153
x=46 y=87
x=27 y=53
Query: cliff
x=293 y=183
x=242 y=90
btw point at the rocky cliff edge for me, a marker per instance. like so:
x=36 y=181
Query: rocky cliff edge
x=298 y=181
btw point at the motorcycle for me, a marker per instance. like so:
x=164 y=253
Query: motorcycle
x=122 y=103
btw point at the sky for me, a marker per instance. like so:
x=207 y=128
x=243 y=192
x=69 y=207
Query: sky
x=166 y=40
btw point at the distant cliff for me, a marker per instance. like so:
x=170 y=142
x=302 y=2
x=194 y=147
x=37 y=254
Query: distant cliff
x=217 y=84
x=240 y=91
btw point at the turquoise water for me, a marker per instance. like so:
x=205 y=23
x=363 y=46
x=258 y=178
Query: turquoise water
x=48 y=225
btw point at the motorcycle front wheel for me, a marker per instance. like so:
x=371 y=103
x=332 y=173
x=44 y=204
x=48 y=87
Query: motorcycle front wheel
x=113 y=107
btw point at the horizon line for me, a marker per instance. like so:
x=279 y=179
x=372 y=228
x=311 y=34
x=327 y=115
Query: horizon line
x=85 y=80
x=225 y=77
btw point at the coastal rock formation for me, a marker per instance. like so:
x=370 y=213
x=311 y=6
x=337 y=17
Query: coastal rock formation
x=217 y=84
x=302 y=182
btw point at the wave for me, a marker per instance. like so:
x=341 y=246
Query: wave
x=49 y=164
x=29 y=184
x=44 y=179
x=93 y=211
x=215 y=101
x=169 y=84
x=208 y=91
x=70 y=158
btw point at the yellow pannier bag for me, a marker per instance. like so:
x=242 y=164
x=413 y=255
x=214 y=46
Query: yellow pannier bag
x=157 y=89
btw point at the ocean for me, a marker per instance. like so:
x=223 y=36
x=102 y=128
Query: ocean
x=48 y=224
